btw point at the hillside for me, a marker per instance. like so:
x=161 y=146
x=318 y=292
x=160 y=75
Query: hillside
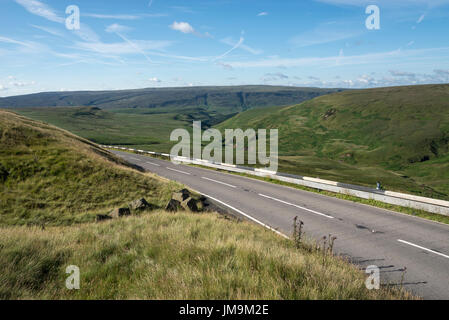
x=396 y=135
x=53 y=183
x=50 y=176
x=225 y=99
x=145 y=118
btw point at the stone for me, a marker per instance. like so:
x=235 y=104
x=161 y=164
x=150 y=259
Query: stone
x=140 y=204
x=173 y=205
x=119 y=212
x=190 y=205
x=103 y=217
x=181 y=195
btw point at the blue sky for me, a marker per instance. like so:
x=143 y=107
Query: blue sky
x=164 y=43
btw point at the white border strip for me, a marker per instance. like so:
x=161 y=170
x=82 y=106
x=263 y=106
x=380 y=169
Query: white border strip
x=247 y=216
x=425 y=249
x=295 y=205
x=226 y=184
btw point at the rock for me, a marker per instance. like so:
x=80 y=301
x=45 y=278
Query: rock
x=103 y=217
x=173 y=205
x=189 y=204
x=140 y=204
x=119 y=212
x=181 y=195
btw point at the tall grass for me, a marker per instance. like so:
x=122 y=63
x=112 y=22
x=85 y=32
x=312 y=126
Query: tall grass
x=172 y=256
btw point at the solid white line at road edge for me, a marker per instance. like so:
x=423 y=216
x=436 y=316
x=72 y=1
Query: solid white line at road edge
x=295 y=205
x=226 y=184
x=246 y=215
x=178 y=170
x=154 y=164
x=430 y=250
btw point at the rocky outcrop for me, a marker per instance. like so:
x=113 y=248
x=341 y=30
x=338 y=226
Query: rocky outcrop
x=120 y=212
x=183 y=201
x=103 y=217
x=139 y=205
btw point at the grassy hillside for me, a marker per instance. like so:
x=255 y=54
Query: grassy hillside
x=145 y=118
x=51 y=176
x=172 y=256
x=227 y=99
x=397 y=135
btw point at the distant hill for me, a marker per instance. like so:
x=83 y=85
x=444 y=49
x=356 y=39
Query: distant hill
x=226 y=99
x=145 y=118
x=398 y=135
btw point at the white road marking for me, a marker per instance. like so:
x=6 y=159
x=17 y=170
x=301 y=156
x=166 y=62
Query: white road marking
x=154 y=164
x=247 y=215
x=429 y=250
x=295 y=205
x=178 y=171
x=135 y=159
x=226 y=184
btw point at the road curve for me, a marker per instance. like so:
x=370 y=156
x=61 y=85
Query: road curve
x=367 y=235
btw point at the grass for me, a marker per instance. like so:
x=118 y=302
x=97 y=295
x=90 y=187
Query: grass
x=173 y=256
x=50 y=176
x=396 y=135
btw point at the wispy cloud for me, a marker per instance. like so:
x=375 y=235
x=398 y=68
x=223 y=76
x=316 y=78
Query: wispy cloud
x=324 y=33
x=421 y=18
x=51 y=31
x=238 y=44
x=115 y=27
x=112 y=16
x=370 y=58
x=401 y=3
x=263 y=13
x=40 y=9
x=126 y=47
x=229 y=41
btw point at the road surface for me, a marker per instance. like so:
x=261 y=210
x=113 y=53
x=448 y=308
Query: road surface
x=367 y=235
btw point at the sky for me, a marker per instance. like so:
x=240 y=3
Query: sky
x=164 y=43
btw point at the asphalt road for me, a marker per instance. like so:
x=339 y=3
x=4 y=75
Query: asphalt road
x=367 y=235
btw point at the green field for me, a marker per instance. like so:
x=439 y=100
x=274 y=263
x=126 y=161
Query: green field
x=53 y=183
x=398 y=135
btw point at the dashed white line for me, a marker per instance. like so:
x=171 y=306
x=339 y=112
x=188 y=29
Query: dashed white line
x=226 y=184
x=178 y=170
x=425 y=249
x=154 y=164
x=295 y=205
x=247 y=215
x=135 y=159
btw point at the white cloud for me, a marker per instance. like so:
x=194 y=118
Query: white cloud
x=154 y=79
x=271 y=77
x=117 y=28
x=263 y=13
x=40 y=9
x=224 y=65
x=184 y=27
